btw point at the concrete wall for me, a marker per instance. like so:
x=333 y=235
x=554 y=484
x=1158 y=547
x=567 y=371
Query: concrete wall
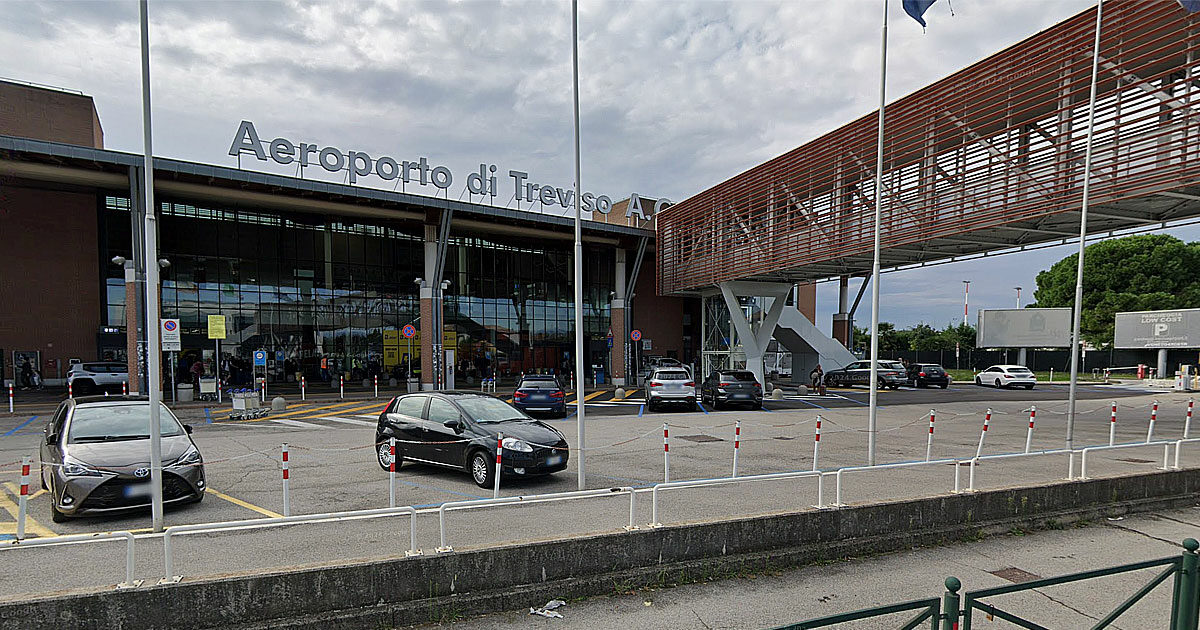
x=400 y=591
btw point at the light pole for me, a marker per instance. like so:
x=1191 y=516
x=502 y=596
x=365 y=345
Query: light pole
x=966 y=295
x=1018 y=296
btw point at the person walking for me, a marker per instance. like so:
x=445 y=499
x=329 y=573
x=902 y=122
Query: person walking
x=817 y=376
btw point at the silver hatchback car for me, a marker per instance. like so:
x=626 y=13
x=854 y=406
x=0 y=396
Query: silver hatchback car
x=96 y=457
x=670 y=385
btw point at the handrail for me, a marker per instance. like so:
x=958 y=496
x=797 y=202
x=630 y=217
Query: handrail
x=533 y=498
x=837 y=502
x=1178 y=445
x=1166 y=444
x=258 y=523
x=718 y=482
x=974 y=461
x=85 y=538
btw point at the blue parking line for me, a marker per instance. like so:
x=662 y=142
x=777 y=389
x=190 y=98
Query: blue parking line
x=763 y=408
x=208 y=416
x=813 y=404
x=641 y=409
x=20 y=426
x=702 y=408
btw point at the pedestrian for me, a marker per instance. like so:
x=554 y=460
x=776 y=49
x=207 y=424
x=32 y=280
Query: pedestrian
x=197 y=371
x=817 y=376
x=26 y=374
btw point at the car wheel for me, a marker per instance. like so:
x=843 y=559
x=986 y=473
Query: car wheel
x=978 y=381
x=55 y=515
x=944 y=385
x=1029 y=387
x=894 y=386
x=757 y=406
x=384 y=457
x=481 y=470
x=921 y=383
x=998 y=384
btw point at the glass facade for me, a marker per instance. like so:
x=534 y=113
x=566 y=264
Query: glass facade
x=314 y=290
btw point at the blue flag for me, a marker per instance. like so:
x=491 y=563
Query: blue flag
x=917 y=8
x=1191 y=6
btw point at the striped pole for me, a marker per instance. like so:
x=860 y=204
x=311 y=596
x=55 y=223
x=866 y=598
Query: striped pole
x=817 y=443
x=987 y=419
x=220 y=394
x=1112 y=425
x=342 y=385
x=24 y=498
x=1153 y=418
x=666 y=455
x=929 y=444
x=737 y=443
x=377 y=386
x=124 y=388
x=499 y=453
x=10 y=398
x=262 y=381
x=287 y=495
x=1029 y=434
x=303 y=389
x=392 y=472
x=1187 y=424
x=70 y=390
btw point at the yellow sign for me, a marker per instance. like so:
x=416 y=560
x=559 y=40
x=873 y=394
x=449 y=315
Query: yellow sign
x=391 y=337
x=216 y=326
x=449 y=339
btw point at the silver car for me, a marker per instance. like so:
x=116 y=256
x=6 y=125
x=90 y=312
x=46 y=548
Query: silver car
x=670 y=385
x=88 y=378
x=96 y=457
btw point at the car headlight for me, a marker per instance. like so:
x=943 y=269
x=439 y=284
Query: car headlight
x=74 y=468
x=513 y=444
x=190 y=458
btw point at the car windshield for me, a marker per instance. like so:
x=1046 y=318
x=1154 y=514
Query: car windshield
x=103 y=423
x=671 y=375
x=486 y=410
x=540 y=383
x=891 y=365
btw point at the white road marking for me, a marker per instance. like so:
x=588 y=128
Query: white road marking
x=297 y=423
x=362 y=423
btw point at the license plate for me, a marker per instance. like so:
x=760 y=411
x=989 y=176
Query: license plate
x=554 y=460
x=137 y=490
x=740 y=396
x=538 y=408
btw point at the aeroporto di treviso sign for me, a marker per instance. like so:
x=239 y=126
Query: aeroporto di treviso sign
x=483 y=182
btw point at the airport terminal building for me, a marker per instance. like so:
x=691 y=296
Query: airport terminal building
x=324 y=277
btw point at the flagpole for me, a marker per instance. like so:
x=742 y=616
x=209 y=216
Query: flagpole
x=874 y=404
x=579 y=375
x=1077 y=309
x=153 y=354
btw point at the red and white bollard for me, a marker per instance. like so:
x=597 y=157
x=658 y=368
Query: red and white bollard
x=24 y=498
x=303 y=389
x=392 y=472
x=1112 y=425
x=1153 y=418
x=499 y=453
x=124 y=388
x=737 y=443
x=342 y=386
x=262 y=384
x=817 y=444
x=666 y=454
x=929 y=444
x=987 y=419
x=287 y=495
x=220 y=394
x=70 y=390
x=1029 y=434
x=10 y=398
x=1187 y=424
x=377 y=386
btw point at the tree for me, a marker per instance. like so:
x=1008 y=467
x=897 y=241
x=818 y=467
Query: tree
x=1135 y=273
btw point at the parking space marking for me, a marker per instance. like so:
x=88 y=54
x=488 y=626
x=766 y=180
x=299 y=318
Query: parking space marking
x=363 y=423
x=241 y=503
x=309 y=410
x=296 y=423
x=20 y=426
x=31 y=524
x=376 y=406
x=16 y=491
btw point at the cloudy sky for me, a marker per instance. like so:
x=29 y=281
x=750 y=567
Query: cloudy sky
x=675 y=95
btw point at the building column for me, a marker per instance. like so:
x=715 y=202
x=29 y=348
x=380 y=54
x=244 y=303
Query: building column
x=132 y=358
x=843 y=324
x=1162 y=364
x=429 y=332
x=616 y=322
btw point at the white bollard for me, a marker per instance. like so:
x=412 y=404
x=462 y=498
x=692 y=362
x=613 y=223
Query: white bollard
x=1187 y=424
x=377 y=386
x=264 y=384
x=817 y=443
x=220 y=394
x=1051 y=375
x=987 y=419
x=1153 y=418
x=342 y=386
x=929 y=444
x=1029 y=435
x=499 y=453
x=737 y=442
x=287 y=497
x=1112 y=425
x=10 y=398
x=392 y=472
x=70 y=390
x=303 y=389
x=666 y=455
x=124 y=388
x=24 y=498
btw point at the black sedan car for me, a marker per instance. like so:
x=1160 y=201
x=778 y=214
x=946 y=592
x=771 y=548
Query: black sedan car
x=540 y=393
x=459 y=430
x=890 y=374
x=731 y=386
x=95 y=456
x=926 y=374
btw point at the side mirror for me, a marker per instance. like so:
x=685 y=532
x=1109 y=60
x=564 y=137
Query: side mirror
x=52 y=438
x=454 y=424
x=187 y=429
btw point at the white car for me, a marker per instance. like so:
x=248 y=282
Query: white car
x=1007 y=376
x=87 y=378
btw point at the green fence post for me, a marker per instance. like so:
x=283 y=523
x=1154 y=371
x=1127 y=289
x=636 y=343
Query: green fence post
x=950 y=604
x=1187 y=595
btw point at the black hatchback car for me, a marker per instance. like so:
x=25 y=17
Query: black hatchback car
x=540 y=393
x=459 y=430
x=926 y=374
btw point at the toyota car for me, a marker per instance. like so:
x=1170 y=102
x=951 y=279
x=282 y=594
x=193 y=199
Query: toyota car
x=96 y=457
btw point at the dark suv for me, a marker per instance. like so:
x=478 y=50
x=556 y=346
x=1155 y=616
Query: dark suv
x=926 y=374
x=731 y=386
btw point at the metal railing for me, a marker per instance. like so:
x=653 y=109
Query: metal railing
x=1184 y=611
x=696 y=483
x=259 y=523
x=837 y=502
x=1166 y=444
x=445 y=547
x=973 y=462
x=79 y=539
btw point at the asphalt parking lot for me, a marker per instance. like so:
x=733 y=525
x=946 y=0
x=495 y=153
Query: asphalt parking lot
x=333 y=468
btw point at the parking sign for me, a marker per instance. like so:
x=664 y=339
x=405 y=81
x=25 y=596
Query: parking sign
x=260 y=358
x=170 y=336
